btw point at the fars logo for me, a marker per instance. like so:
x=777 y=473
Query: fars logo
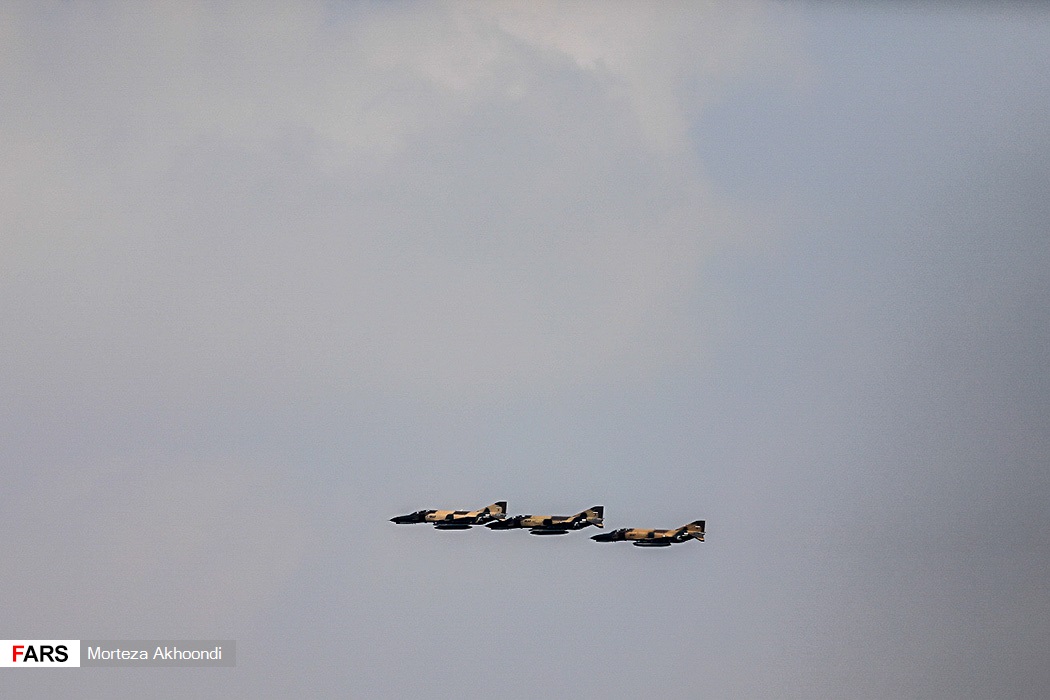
x=39 y=653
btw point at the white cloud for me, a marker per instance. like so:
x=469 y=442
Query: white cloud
x=482 y=196
x=665 y=60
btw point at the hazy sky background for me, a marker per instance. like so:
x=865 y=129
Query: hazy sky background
x=270 y=276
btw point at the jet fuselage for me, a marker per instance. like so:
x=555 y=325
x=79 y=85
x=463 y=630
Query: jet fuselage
x=655 y=538
x=454 y=519
x=551 y=524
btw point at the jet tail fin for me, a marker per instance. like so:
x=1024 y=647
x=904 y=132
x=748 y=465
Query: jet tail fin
x=498 y=509
x=594 y=515
x=695 y=529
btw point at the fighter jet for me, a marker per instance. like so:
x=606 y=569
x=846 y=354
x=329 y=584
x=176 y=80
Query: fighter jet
x=655 y=538
x=455 y=519
x=551 y=524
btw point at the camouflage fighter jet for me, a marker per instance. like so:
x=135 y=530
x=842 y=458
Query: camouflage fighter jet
x=455 y=519
x=655 y=538
x=551 y=524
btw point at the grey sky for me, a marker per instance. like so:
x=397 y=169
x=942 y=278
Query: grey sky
x=271 y=277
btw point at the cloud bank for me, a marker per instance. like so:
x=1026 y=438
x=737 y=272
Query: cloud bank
x=403 y=198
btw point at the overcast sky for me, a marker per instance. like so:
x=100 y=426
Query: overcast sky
x=270 y=276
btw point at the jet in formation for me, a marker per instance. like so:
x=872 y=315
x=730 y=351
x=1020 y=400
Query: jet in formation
x=655 y=538
x=551 y=524
x=455 y=519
